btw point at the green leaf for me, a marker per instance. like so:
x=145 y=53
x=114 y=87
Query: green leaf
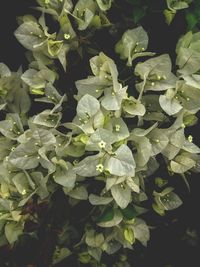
x=87 y=107
x=160 y=65
x=97 y=200
x=121 y=195
x=21 y=102
x=24 y=156
x=129 y=212
x=47 y=118
x=75 y=150
x=87 y=167
x=192 y=20
x=177 y=5
x=44 y=137
x=188 y=96
x=64 y=174
x=182 y=164
x=84 y=11
x=190 y=120
x=30 y=35
x=169 y=15
x=60 y=254
x=11 y=127
x=113 y=100
x=115 y=221
x=104 y=4
x=133 y=184
x=84 y=257
x=141 y=231
x=138 y=14
x=184 y=41
x=190 y=147
x=129 y=235
x=192 y=80
x=176 y=141
x=170 y=105
x=156 y=74
x=106 y=216
x=132 y=44
x=38 y=79
x=118 y=128
x=41 y=184
x=144 y=150
x=106 y=69
x=3 y=240
x=22 y=184
x=95 y=253
x=158 y=209
x=12 y=231
x=5 y=147
x=133 y=107
x=160 y=182
x=92 y=85
x=139 y=132
x=188 y=61
x=79 y=193
x=122 y=163
x=93 y=239
x=54 y=47
x=97 y=137
x=62 y=55
x=4 y=71
x=171 y=201
x=159 y=140
x=114 y=180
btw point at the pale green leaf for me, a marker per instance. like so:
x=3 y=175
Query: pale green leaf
x=94 y=239
x=30 y=35
x=121 y=195
x=129 y=235
x=84 y=11
x=171 y=201
x=78 y=193
x=100 y=135
x=13 y=231
x=115 y=221
x=65 y=175
x=132 y=44
x=104 y=4
x=122 y=163
x=98 y=200
x=87 y=167
x=87 y=107
x=170 y=105
x=141 y=231
x=182 y=164
x=24 y=156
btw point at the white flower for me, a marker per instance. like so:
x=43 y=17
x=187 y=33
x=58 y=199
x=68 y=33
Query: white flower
x=190 y=138
x=102 y=144
x=117 y=127
x=23 y=192
x=99 y=167
x=67 y=36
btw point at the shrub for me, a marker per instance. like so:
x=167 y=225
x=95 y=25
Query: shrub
x=84 y=180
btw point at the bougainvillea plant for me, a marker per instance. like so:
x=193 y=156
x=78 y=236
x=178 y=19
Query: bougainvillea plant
x=122 y=132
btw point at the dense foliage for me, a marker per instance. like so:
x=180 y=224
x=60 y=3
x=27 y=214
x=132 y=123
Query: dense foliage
x=130 y=110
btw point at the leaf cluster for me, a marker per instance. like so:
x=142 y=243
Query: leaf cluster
x=115 y=142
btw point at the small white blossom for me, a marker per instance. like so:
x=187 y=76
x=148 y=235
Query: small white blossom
x=99 y=167
x=117 y=127
x=190 y=138
x=102 y=144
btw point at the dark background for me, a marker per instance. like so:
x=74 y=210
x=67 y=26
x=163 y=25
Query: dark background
x=169 y=245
